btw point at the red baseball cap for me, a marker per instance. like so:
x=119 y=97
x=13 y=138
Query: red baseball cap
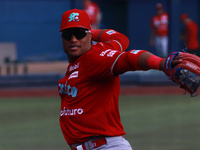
x=75 y=18
x=183 y=17
x=159 y=6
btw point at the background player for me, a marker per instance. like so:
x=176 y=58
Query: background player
x=94 y=13
x=89 y=116
x=159 y=31
x=190 y=34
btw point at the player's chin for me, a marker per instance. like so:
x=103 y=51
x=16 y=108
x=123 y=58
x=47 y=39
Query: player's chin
x=75 y=54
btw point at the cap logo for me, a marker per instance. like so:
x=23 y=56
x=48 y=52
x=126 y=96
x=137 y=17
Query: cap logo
x=74 y=17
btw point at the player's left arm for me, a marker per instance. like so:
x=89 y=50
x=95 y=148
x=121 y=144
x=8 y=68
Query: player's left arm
x=110 y=39
x=182 y=68
x=140 y=60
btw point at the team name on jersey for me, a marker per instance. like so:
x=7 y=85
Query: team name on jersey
x=73 y=75
x=73 y=67
x=108 y=53
x=71 y=112
x=68 y=90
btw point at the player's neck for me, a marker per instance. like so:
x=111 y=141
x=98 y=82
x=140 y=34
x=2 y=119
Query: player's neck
x=72 y=59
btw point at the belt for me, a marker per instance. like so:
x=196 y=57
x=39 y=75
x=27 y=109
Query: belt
x=89 y=145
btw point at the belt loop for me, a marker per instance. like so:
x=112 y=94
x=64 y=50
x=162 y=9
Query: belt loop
x=88 y=145
x=79 y=147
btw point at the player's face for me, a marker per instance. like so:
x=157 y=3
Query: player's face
x=159 y=11
x=76 y=42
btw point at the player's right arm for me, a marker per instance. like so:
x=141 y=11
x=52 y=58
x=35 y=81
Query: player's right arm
x=110 y=39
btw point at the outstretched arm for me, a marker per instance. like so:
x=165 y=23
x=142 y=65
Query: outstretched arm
x=140 y=60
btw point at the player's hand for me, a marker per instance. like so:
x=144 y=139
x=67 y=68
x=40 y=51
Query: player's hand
x=184 y=69
x=176 y=61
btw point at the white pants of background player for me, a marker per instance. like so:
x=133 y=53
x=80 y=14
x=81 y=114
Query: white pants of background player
x=161 y=45
x=115 y=143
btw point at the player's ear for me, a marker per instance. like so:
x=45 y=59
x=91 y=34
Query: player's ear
x=90 y=36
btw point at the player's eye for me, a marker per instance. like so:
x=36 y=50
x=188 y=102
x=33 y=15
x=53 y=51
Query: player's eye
x=67 y=35
x=78 y=33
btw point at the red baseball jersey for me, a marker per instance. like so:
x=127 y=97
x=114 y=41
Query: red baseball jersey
x=92 y=10
x=89 y=95
x=192 y=36
x=159 y=23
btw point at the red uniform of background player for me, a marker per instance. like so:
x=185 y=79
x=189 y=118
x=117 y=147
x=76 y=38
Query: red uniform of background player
x=94 y=13
x=89 y=116
x=159 y=31
x=190 y=34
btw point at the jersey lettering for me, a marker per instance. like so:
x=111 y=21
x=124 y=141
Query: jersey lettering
x=108 y=53
x=76 y=66
x=71 y=112
x=68 y=90
x=73 y=75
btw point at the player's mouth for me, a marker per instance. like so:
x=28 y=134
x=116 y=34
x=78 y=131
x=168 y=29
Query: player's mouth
x=74 y=47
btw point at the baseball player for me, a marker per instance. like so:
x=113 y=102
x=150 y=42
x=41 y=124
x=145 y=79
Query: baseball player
x=94 y=13
x=89 y=116
x=159 y=31
x=190 y=34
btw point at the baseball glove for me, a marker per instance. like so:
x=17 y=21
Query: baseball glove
x=186 y=73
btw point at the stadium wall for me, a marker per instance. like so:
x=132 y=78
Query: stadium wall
x=33 y=25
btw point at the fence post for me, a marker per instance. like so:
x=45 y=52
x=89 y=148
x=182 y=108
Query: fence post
x=25 y=69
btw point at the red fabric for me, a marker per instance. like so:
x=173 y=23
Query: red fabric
x=89 y=95
x=159 y=23
x=92 y=10
x=153 y=62
x=75 y=18
x=192 y=35
x=96 y=34
x=115 y=39
x=128 y=61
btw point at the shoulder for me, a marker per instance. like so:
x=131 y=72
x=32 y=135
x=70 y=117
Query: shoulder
x=165 y=14
x=154 y=18
x=192 y=24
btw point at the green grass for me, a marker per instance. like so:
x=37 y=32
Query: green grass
x=151 y=123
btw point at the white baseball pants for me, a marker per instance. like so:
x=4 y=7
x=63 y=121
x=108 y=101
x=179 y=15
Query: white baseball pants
x=161 y=45
x=115 y=143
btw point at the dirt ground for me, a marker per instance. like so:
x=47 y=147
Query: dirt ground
x=125 y=90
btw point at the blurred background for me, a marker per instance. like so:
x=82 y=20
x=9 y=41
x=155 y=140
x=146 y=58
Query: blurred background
x=30 y=42
x=155 y=113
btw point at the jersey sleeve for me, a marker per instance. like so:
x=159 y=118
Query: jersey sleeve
x=111 y=39
x=99 y=64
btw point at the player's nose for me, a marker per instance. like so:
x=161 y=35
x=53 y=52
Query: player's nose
x=73 y=38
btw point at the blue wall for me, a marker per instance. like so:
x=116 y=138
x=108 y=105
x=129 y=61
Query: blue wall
x=139 y=17
x=34 y=24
